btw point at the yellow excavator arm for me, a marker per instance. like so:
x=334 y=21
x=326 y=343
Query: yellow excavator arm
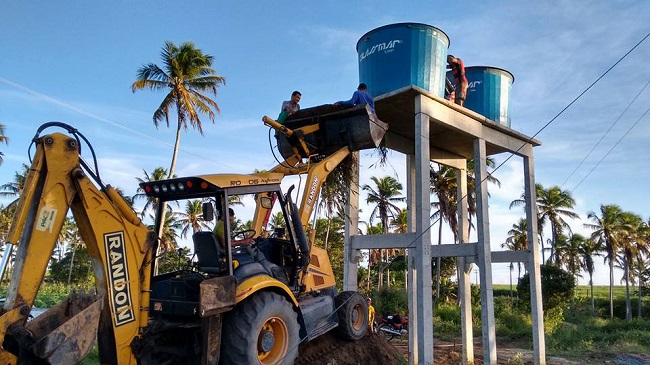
x=120 y=247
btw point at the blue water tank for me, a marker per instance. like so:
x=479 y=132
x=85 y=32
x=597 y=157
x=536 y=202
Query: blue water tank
x=488 y=92
x=402 y=54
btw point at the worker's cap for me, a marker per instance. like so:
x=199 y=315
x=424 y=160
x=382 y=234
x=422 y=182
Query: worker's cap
x=369 y=299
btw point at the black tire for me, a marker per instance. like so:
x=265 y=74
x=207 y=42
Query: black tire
x=262 y=329
x=387 y=335
x=353 y=315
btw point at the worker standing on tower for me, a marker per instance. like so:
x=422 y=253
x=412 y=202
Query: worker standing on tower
x=458 y=70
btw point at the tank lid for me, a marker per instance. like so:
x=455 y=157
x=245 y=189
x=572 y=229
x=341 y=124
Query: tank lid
x=398 y=25
x=491 y=68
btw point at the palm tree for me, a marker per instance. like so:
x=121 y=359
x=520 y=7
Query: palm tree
x=517 y=240
x=277 y=221
x=3 y=139
x=554 y=204
x=73 y=238
x=540 y=222
x=587 y=251
x=471 y=185
x=568 y=253
x=334 y=192
x=15 y=188
x=607 y=231
x=159 y=173
x=187 y=73
x=443 y=185
x=632 y=245
x=170 y=226
x=192 y=218
x=400 y=223
x=384 y=198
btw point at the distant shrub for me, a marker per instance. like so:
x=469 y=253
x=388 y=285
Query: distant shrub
x=558 y=287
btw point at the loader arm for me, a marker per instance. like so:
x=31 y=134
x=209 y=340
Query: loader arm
x=119 y=244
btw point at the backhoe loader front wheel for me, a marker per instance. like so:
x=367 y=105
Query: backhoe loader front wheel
x=262 y=329
x=353 y=315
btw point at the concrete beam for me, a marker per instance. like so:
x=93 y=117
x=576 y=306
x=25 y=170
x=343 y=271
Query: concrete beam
x=381 y=241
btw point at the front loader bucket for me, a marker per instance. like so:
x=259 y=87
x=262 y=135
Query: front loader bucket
x=67 y=332
x=338 y=126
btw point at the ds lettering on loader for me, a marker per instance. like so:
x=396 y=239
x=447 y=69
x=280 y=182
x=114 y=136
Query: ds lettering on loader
x=229 y=305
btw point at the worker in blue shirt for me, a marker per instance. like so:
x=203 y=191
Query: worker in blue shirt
x=360 y=96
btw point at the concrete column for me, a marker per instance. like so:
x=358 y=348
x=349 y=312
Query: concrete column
x=351 y=257
x=484 y=254
x=410 y=257
x=539 y=346
x=464 y=270
x=423 y=281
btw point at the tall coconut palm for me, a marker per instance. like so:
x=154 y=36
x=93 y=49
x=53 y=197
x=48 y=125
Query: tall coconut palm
x=632 y=245
x=554 y=205
x=443 y=185
x=3 y=139
x=643 y=266
x=517 y=240
x=607 y=229
x=192 y=218
x=540 y=222
x=187 y=75
x=383 y=196
x=590 y=248
x=471 y=185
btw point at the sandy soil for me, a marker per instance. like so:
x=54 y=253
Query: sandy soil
x=329 y=350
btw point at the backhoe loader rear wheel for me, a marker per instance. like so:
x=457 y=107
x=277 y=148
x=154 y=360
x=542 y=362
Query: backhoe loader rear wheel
x=353 y=315
x=262 y=329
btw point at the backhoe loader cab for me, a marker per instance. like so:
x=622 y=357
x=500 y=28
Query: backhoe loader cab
x=280 y=291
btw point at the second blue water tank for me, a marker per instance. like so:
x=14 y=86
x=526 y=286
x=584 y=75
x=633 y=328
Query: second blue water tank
x=488 y=92
x=402 y=54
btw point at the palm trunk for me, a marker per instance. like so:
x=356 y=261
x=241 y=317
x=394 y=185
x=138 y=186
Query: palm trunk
x=611 y=287
x=591 y=286
x=163 y=206
x=380 y=269
x=512 y=267
x=74 y=250
x=640 y=304
x=628 y=303
x=327 y=232
x=438 y=262
x=369 y=262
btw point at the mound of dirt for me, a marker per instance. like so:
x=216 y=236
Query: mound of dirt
x=329 y=349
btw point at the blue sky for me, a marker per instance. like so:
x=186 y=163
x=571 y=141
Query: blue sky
x=74 y=61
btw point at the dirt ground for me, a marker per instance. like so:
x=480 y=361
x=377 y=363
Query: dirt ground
x=375 y=350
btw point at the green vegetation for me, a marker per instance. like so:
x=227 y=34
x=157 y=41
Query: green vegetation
x=571 y=330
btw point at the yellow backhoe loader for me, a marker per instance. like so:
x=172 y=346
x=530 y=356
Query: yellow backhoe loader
x=249 y=304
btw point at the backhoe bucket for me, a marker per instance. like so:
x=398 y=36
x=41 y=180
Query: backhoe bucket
x=338 y=126
x=67 y=332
